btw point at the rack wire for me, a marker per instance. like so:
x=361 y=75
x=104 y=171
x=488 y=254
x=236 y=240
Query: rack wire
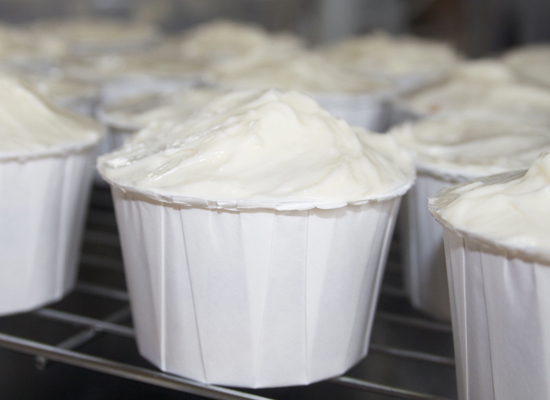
x=405 y=344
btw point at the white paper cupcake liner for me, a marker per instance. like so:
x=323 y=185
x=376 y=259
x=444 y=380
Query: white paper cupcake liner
x=42 y=211
x=369 y=111
x=500 y=301
x=424 y=268
x=254 y=298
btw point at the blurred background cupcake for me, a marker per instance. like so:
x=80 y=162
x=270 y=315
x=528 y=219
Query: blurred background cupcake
x=451 y=149
x=46 y=164
x=496 y=233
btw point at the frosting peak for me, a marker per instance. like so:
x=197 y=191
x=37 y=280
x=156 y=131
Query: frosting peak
x=30 y=125
x=260 y=145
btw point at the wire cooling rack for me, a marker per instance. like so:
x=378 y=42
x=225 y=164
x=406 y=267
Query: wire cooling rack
x=410 y=355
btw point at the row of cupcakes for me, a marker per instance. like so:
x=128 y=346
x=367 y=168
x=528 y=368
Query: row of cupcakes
x=167 y=139
x=254 y=232
x=300 y=188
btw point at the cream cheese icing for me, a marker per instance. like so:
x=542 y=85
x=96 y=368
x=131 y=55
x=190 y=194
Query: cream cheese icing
x=121 y=65
x=222 y=39
x=30 y=126
x=61 y=89
x=473 y=145
x=306 y=72
x=494 y=96
x=96 y=34
x=19 y=45
x=485 y=70
x=508 y=209
x=269 y=146
x=531 y=62
x=394 y=56
x=137 y=111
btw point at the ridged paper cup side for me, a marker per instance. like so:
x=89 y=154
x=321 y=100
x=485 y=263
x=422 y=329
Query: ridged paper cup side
x=42 y=211
x=422 y=247
x=257 y=297
x=500 y=301
x=424 y=268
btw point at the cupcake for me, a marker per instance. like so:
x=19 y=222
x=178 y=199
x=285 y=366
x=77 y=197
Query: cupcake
x=497 y=244
x=95 y=36
x=222 y=40
x=124 y=75
x=46 y=163
x=78 y=96
x=254 y=237
x=361 y=99
x=410 y=61
x=129 y=115
x=466 y=83
x=448 y=150
x=531 y=63
x=23 y=50
x=485 y=86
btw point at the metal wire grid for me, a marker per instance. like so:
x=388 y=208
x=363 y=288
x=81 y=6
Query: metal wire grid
x=101 y=213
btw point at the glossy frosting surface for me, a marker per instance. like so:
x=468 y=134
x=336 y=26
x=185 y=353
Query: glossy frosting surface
x=473 y=144
x=30 y=124
x=138 y=111
x=509 y=209
x=260 y=145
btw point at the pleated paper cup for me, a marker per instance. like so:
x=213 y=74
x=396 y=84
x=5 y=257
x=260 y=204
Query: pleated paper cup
x=42 y=210
x=368 y=111
x=249 y=293
x=424 y=268
x=500 y=302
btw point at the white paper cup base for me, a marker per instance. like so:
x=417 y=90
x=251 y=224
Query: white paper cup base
x=500 y=305
x=423 y=252
x=42 y=210
x=253 y=299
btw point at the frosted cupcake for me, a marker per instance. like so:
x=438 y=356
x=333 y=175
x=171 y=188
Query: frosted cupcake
x=483 y=87
x=126 y=116
x=467 y=83
x=497 y=244
x=361 y=99
x=448 y=150
x=125 y=75
x=410 y=61
x=21 y=49
x=78 y=96
x=531 y=63
x=93 y=36
x=254 y=237
x=223 y=40
x=46 y=163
